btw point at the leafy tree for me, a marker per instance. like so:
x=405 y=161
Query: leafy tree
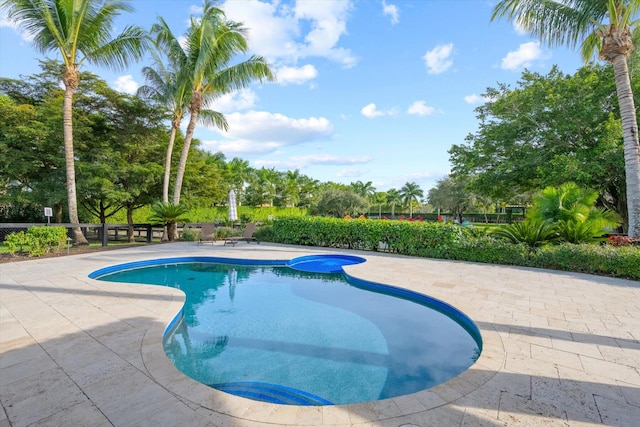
x=81 y=31
x=604 y=27
x=32 y=169
x=410 y=193
x=211 y=43
x=451 y=195
x=339 y=203
x=121 y=164
x=549 y=130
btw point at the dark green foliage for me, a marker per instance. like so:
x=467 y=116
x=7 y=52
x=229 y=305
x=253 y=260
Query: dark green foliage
x=404 y=237
x=448 y=241
x=533 y=233
x=169 y=214
x=607 y=260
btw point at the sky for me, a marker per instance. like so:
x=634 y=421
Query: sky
x=365 y=90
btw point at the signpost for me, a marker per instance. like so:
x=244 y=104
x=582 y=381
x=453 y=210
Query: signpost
x=48 y=212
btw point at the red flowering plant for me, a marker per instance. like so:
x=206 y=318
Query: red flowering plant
x=618 y=240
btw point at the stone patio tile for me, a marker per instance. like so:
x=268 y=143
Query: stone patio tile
x=610 y=370
x=556 y=357
x=39 y=396
x=576 y=348
x=82 y=414
x=615 y=413
x=525 y=315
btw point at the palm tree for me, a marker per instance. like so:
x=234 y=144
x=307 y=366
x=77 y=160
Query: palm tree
x=210 y=44
x=171 y=90
x=239 y=173
x=81 y=31
x=599 y=26
x=411 y=192
x=393 y=198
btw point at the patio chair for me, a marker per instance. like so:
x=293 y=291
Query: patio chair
x=207 y=233
x=247 y=235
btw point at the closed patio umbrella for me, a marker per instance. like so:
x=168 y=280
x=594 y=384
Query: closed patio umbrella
x=233 y=210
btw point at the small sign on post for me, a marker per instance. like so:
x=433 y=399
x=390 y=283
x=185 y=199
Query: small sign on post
x=48 y=212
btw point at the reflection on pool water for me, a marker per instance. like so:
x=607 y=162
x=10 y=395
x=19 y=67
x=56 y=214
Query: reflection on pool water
x=271 y=333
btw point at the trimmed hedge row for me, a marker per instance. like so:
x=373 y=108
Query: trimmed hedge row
x=448 y=241
x=409 y=238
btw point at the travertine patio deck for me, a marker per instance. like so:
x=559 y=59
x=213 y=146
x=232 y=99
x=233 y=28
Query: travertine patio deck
x=559 y=348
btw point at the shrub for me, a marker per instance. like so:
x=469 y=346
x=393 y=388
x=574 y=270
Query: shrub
x=39 y=240
x=532 y=232
x=621 y=262
x=483 y=249
x=189 y=235
x=408 y=238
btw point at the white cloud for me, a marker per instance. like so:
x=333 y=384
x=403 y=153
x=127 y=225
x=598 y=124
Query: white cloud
x=391 y=10
x=419 y=108
x=328 y=159
x=260 y=132
x=350 y=173
x=286 y=34
x=126 y=84
x=438 y=59
x=371 y=111
x=4 y=22
x=526 y=53
x=238 y=100
x=296 y=75
x=475 y=99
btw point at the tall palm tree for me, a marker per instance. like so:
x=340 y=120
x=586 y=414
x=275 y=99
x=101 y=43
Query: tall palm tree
x=411 y=192
x=393 y=198
x=81 y=31
x=239 y=174
x=171 y=90
x=210 y=44
x=600 y=26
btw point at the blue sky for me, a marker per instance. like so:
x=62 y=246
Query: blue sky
x=366 y=90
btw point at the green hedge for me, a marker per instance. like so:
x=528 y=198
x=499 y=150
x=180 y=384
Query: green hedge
x=404 y=237
x=38 y=240
x=447 y=241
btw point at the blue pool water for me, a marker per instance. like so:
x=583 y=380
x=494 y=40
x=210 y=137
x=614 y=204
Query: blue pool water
x=293 y=336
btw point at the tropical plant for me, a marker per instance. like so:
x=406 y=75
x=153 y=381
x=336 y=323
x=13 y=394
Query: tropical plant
x=168 y=88
x=573 y=210
x=210 y=44
x=532 y=232
x=604 y=27
x=393 y=198
x=169 y=214
x=411 y=192
x=81 y=31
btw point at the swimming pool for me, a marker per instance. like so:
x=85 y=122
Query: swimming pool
x=281 y=332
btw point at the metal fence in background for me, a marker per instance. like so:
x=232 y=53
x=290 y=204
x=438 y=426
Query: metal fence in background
x=94 y=232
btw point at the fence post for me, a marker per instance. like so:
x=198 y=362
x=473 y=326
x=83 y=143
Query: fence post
x=149 y=233
x=105 y=235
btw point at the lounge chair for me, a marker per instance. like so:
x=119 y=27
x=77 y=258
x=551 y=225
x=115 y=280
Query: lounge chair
x=207 y=233
x=247 y=235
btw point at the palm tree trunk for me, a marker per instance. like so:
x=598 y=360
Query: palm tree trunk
x=70 y=165
x=194 y=109
x=631 y=146
x=167 y=165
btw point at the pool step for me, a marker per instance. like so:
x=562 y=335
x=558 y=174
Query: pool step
x=271 y=393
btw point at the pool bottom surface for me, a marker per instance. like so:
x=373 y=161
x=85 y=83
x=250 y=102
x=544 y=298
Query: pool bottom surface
x=290 y=337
